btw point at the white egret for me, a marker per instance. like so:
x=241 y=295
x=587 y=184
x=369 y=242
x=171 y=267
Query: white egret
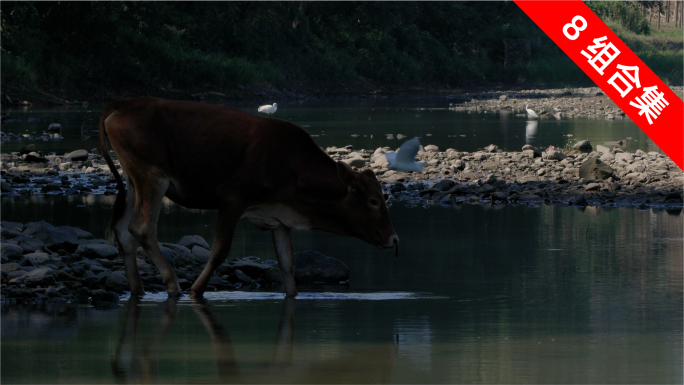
x=530 y=113
x=405 y=158
x=268 y=109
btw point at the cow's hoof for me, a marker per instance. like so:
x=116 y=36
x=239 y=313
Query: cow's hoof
x=175 y=294
x=196 y=294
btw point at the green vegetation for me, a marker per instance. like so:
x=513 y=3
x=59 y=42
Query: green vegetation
x=214 y=45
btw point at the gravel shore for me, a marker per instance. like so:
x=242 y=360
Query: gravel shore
x=584 y=175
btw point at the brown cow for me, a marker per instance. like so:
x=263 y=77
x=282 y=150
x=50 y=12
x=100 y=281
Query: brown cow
x=210 y=157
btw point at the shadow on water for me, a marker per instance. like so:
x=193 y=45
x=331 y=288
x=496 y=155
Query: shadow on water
x=136 y=360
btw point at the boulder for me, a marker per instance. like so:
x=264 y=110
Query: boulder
x=54 y=128
x=636 y=167
x=380 y=160
x=182 y=256
x=526 y=153
x=54 y=238
x=11 y=252
x=200 y=254
x=167 y=253
x=82 y=234
x=189 y=241
x=536 y=153
x=355 y=162
x=579 y=200
x=238 y=276
x=458 y=165
x=43 y=276
x=38 y=258
x=607 y=157
x=674 y=196
x=624 y=157
x=312 y=266
x=9 y=267
x=6 y=187
x=97 y=251
x=29 y=245
x=431 y=148
x=594 y=168
x=582 y=146
x=272 y=275
x=16 y=226
x=602 y=149
x=444 y=185
x=492 y=148
x=65 y=277
x=117 y=282
x=77 y=156
x=555 y=155
x=104 y=298
x=252 y=269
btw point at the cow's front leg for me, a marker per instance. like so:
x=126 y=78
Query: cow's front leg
x=282 y=241
x=223 y=238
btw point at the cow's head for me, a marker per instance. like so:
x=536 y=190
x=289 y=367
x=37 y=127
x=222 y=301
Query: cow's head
x=363 y=210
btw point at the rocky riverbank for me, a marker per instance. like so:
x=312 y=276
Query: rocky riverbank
x=557 y=103
x=582 y=175
x=44 y=263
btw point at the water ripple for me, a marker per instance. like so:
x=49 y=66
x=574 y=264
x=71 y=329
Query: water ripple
x=251 y=296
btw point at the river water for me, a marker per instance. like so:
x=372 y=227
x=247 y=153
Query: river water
x=333 y=124
x=478 y=294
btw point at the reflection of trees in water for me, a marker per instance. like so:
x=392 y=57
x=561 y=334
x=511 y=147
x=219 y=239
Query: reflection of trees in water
x=622 y=262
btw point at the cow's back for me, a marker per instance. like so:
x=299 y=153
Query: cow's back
x=211 y=152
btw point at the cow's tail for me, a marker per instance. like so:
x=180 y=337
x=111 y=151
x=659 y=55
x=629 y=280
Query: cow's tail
x=120 y=203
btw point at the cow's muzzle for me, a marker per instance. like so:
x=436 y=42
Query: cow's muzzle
x=393 y=241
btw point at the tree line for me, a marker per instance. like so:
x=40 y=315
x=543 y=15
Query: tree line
x=220 y=44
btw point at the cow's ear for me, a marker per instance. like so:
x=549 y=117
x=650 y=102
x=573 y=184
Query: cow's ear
x=346 y=173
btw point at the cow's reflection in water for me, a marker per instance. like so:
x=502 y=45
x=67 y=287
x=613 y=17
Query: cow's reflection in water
x=136 y=361
x=133 y=360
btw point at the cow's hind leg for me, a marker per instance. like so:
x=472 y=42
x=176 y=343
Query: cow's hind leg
x=282 y=241
x=127 y=244
x=223 y=238
x=143 y=226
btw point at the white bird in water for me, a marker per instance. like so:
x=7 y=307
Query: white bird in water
x=531 y=113
x=405 y=158
x=268 y=109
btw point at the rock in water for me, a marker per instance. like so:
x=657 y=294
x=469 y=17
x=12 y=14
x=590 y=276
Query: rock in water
x=252 y=269
x=583 y=146
x=117 y=282
x=193 y=240
x=579 y=200
x=594 y=168
x=78 y=155
x=444 y=185
x=312 y=266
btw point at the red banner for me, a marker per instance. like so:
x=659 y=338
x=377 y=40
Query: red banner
x=586 y=39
